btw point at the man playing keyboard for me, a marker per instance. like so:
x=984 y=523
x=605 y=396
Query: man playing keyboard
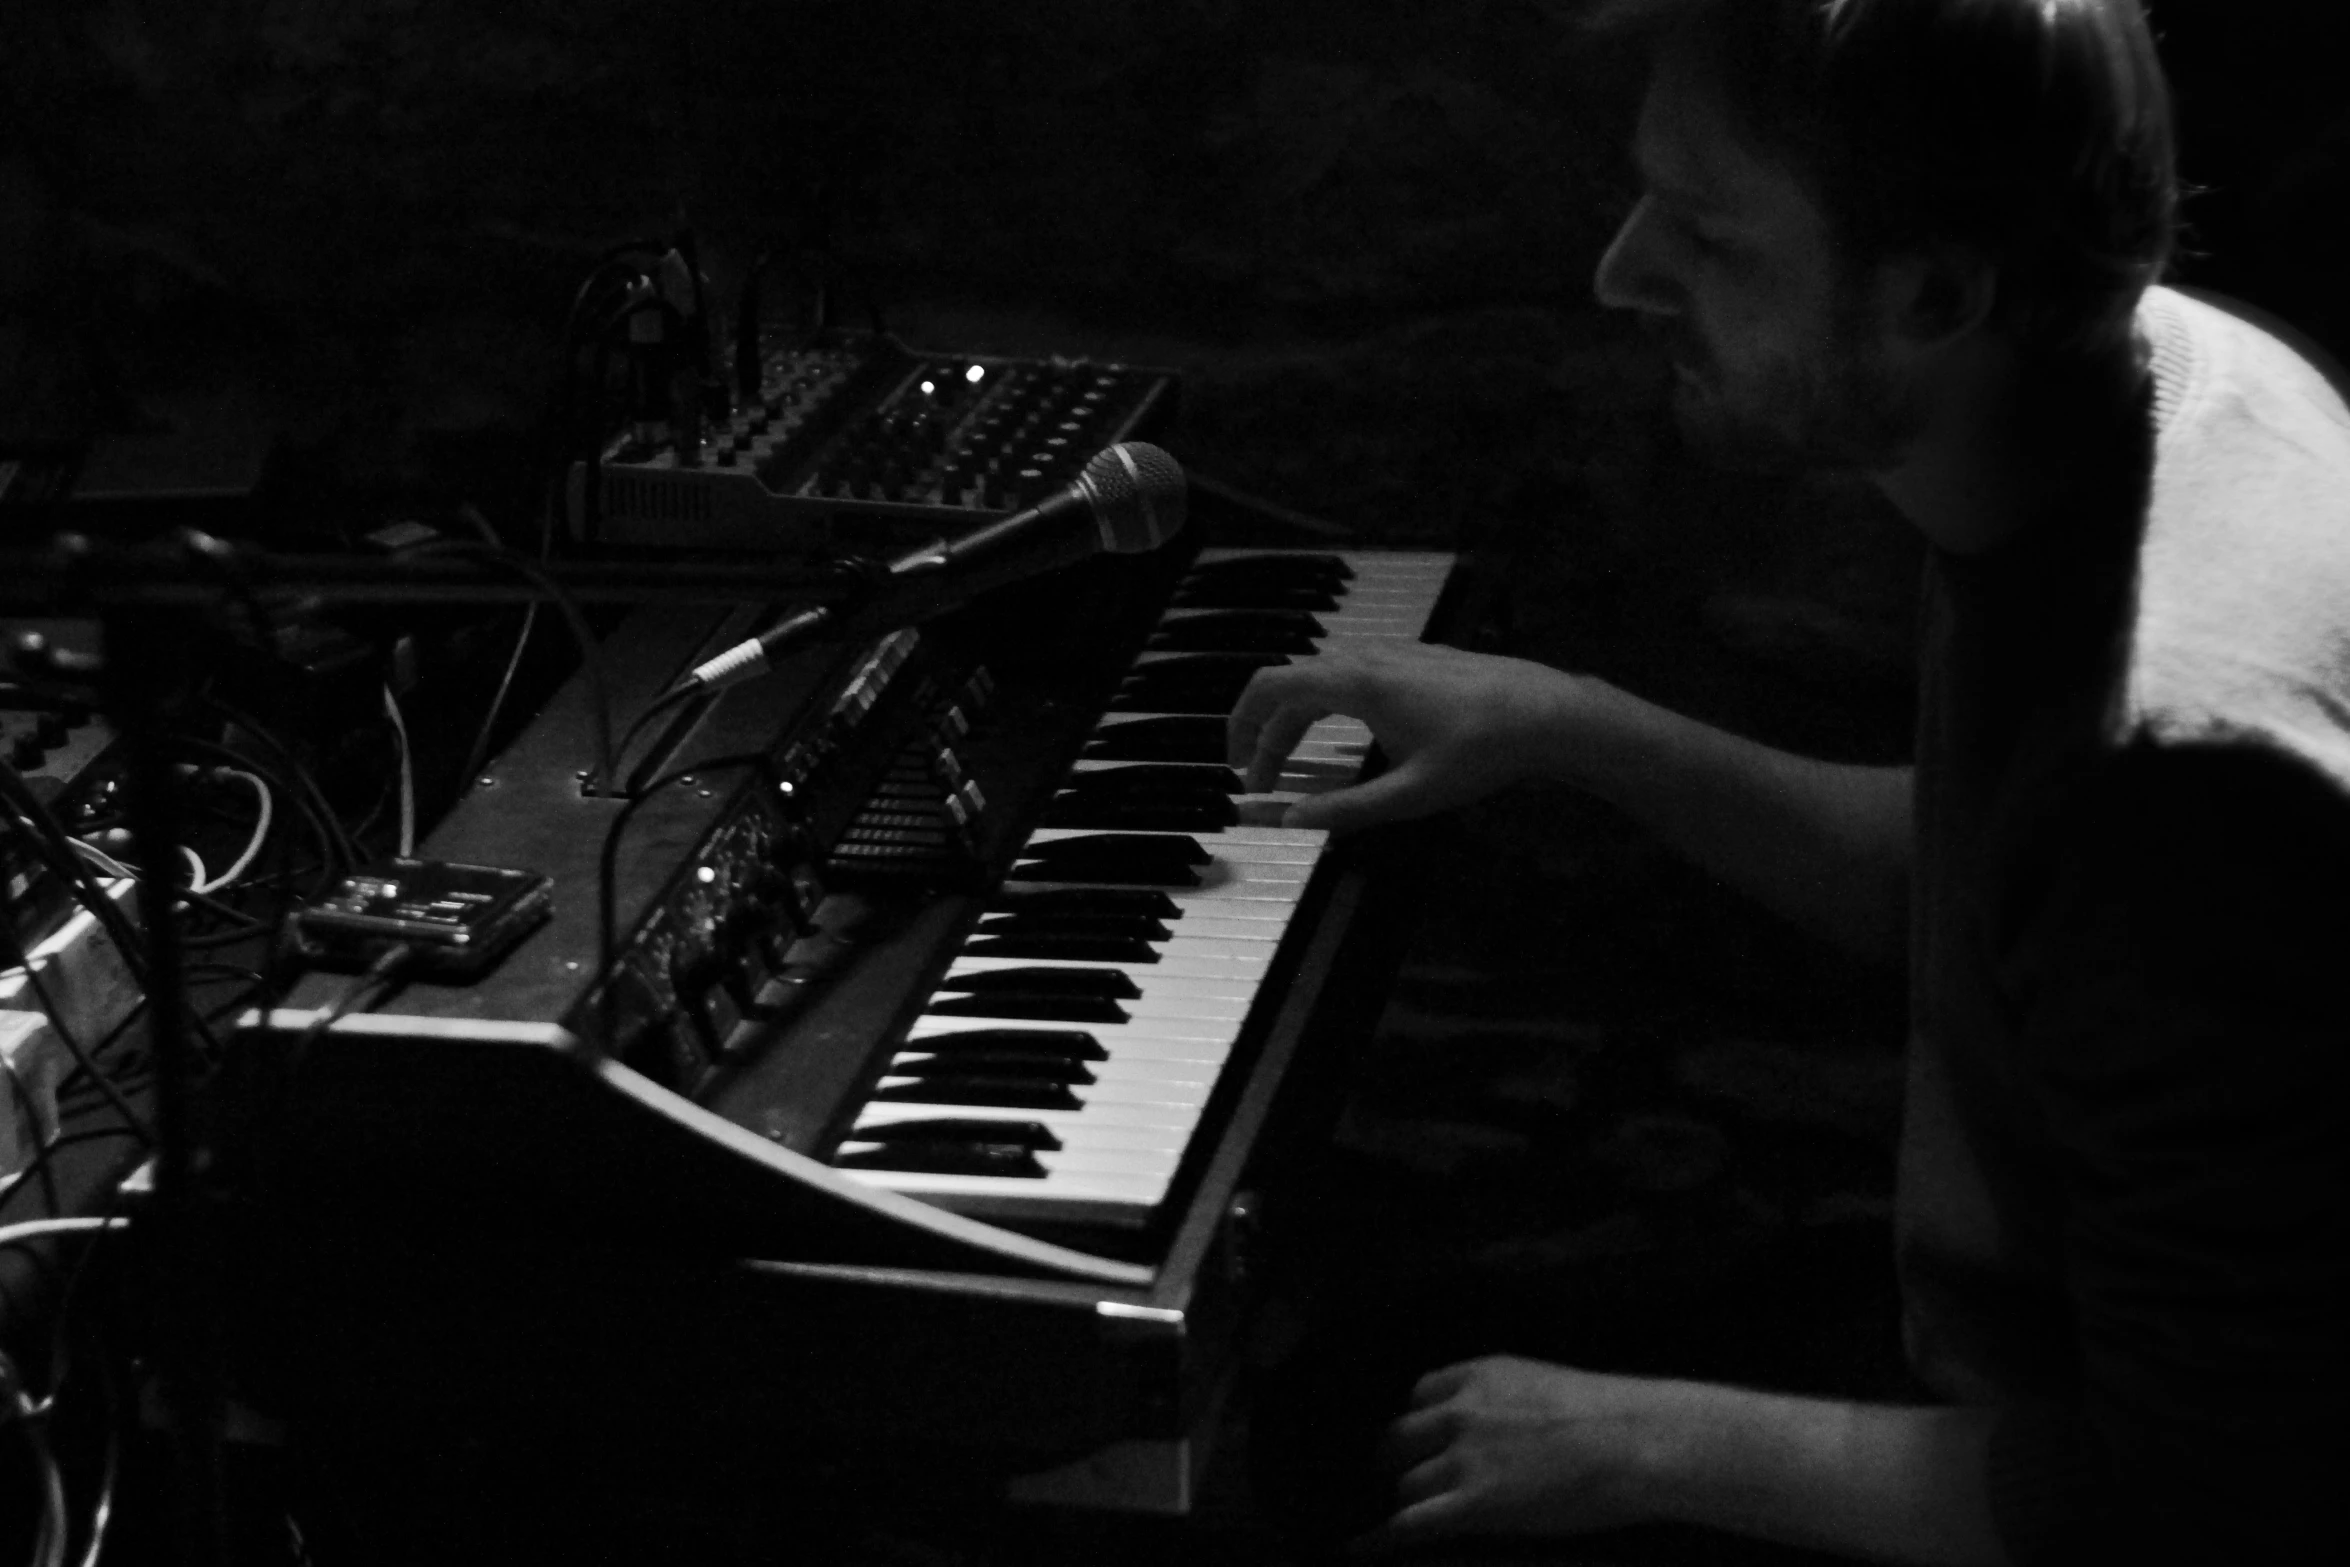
x=1922 y=240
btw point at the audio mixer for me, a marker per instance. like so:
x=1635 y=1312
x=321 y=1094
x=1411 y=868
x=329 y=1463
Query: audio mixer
x=860 y=443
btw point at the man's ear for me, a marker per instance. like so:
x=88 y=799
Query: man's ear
x=1937 y=296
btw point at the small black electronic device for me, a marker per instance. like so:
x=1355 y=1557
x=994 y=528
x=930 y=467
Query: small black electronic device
x=456 y=920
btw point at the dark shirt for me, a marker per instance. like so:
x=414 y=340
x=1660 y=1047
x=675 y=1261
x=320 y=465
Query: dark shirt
x=2121 y=1213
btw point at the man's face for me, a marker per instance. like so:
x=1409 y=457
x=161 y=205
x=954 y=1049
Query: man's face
x=1778 y=357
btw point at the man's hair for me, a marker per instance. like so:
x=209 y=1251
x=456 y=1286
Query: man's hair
x=2036 y=133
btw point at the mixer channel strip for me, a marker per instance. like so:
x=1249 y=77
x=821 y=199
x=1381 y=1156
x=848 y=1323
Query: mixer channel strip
x=1061 y=1069
x=862 y=443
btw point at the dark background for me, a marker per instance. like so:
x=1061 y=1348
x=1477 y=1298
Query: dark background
x=345 y=232
x=348 y=229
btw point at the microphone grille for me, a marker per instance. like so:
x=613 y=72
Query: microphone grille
x=1138 y=496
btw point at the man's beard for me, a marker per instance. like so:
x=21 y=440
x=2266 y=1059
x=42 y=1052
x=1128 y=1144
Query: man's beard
x=1839 y=408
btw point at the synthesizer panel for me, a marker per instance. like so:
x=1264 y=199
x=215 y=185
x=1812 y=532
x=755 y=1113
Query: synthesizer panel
x=862 y=443
x=652 y=1167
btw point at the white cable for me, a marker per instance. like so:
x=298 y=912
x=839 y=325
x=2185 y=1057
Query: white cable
x=252 y=851
x=102 y=1510
x=407 y=775
x=203 y=882
x=104 y=861
x=34 y=1229
x=49 y=1544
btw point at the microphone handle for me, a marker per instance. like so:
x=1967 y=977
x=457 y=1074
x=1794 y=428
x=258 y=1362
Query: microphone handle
x=978 y=562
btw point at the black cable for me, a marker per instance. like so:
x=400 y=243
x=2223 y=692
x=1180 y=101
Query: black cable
x=255 y=984
x=646 y=297
x=340 y=846
x=302 y=796
x=49 y=840
x=608 y=859
x=590 y=657
x=73 y=1097
x=102 y=1510
x=551 y=459
x=213 y=906
x=675 y=696
x=479 y=751
x=60 y=1347
x=749 y=363
x=379 y=976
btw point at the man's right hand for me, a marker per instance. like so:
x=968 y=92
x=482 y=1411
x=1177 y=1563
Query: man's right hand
x=1455 y=726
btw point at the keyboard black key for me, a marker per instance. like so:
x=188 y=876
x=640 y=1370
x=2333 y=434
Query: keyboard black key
x=1254 y=593
x=958 y=1129
x=1002 y=1092
x=1184 y=738
x=1162 y=812
x=1174 y=847
x=1203 y=666
x=1085 y=900
x=1113 y=870
x=1103 y=983
x=1215 y=701
x=1191 y=682
x=1025 y=1066
x=1132 y=927
x=1073 y=1043
x=1040 y=1007
x=1063 y=947
x=1156 y=775
x=1289 y=565
x=943 y=1157
x=1126 y=858
x=1239 y=631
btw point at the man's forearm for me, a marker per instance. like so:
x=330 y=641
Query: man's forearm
x=1825 y=844
x=1881 y=1482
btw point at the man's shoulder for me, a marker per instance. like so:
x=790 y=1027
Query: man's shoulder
x=2242 y=617
x=2216 y=357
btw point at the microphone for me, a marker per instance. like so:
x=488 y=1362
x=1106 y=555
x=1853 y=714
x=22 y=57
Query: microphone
x=1129 y=499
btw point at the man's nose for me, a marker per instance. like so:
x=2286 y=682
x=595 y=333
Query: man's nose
x=1631 y=274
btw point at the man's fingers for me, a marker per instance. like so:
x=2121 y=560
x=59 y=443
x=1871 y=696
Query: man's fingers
x=1438 y=1476
x=1413 y=1439
x=1267 y=692
x=1275 y=740
x=1276 y=708
x=1442 y=1383
x=1426 y=1519
x=1392 y=796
